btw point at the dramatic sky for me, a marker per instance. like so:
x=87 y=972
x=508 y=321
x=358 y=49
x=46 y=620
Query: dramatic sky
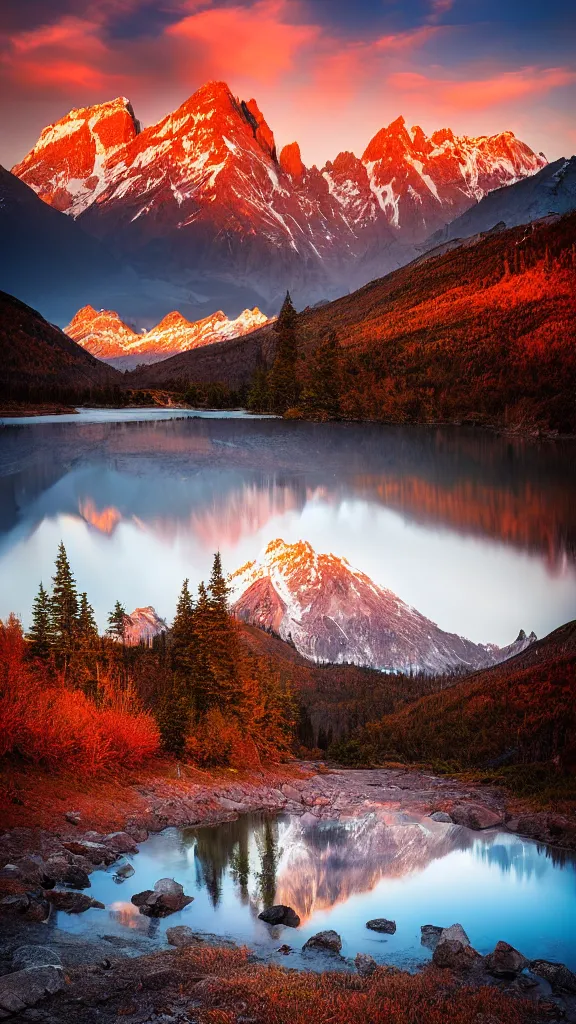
x=328 y=73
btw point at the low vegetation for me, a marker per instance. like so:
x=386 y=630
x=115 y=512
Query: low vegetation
x=73 y=700
x=238 y=990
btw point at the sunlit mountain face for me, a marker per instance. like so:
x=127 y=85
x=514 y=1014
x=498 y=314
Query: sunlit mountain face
x=476 y=532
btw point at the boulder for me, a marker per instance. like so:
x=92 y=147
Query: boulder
x=166 y=898
x=430 y=935
x=34 y=956
x=455 y=933
x=329 y=940
x=96 y=853
x=33 y=869
x=72 y=902
x=280 y=915
x=365 y=964
x=380 y=924
x=30 y=905
x=505 y=961
x=27 y=987
x=73 y=817
x=284 y=949
x=120 y=842
x=558 y=976
x=181 y=935
x=455 y=956
x=123 y=871
x=441 y=816
x=475 y=816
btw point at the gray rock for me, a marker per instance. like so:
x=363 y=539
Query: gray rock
x=10 y=871
x=73 y=817
x=181 y=935
x=505 y=961
x=30 y=906
x=34 y=956
x=455 y=956
x=166 y=898
x=455 y=933
x=475 y=816
x=430 y=935
x=27 y=987
x=72 y=902
x=365 y=964
x=441 y=816
x=329 y=940
x=120 y=842
x=123 y=871
x=96 y=853
x=380 y=924
x=558 y=976
x=280 y=915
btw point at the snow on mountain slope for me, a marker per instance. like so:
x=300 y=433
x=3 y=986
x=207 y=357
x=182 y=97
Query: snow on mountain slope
x=551 y=191
x=204 y=193
x=334 y=613
x=104 y=334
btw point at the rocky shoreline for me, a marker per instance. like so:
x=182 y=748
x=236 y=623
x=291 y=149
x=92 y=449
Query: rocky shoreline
x=41 y=869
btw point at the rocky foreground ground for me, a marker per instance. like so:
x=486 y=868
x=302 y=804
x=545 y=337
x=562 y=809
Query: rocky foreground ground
x=84 y=980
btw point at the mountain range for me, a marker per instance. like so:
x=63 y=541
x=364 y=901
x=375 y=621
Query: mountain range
x=105 y=335
x=203 y=199
x=333 y=613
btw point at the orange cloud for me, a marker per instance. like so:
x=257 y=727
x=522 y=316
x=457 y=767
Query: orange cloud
x=478 y=94
x=242 y=41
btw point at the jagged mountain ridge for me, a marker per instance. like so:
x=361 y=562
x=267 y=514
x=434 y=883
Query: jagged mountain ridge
x=204 y=193
x=142 y=625
x=549 y=192
x=334 y=613
x=105 y=335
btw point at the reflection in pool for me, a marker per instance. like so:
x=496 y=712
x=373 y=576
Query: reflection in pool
x=339 y=875
x=477 y=532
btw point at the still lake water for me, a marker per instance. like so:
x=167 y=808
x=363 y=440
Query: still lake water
x=476 y=531
x=339 y=875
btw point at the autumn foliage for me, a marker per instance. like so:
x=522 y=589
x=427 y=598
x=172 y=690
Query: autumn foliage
x=237 y=990
x=46 y=720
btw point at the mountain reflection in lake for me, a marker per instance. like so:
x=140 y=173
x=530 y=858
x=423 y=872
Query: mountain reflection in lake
x=339 y=875
x=476 y=531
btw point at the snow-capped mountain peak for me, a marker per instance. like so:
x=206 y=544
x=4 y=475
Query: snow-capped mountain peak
x=335 y=613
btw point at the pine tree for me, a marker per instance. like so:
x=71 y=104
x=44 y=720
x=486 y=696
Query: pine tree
x=87 y=630
x=282 y=380
x=217 y=587
x=182 y=633
x=258 y=398
x=39 y=635
x=117 y=622
x=63 y=607
x=322 y=394
x=173 y=715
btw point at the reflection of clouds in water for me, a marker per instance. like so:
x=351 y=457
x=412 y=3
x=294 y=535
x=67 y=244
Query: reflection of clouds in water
x=421 y=512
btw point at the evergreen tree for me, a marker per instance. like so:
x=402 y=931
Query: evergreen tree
x=117 y=622
x=321 y=395
x=40 y=632
x=258 y=399
x=282 y=380
x=87 y=630
x=182 y=633
x=173 y=715
x=217 y=587
x=63 y=607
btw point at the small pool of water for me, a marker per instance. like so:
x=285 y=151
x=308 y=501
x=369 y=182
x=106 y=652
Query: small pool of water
x=339 y=875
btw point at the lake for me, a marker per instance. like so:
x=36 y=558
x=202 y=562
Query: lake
x=340 y=874
x=476 y=531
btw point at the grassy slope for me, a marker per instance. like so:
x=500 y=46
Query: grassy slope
x=484 y=332
x=517 y=715
x=34 y=352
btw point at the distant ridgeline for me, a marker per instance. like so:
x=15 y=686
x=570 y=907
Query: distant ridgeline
x=481 y=333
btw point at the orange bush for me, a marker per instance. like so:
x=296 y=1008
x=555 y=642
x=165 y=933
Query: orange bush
x=272 y=995
x=48 y=723
x=220 y=740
